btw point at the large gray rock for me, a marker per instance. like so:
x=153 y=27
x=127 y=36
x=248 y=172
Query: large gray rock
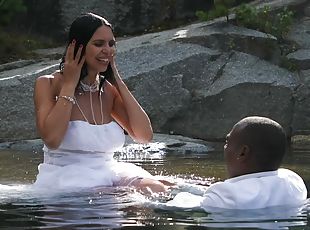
x=127 y=16
x=301 y=121
x=224 y=36
x=300 y=58
x=161 y=143
x=222 y=91
x=16 y=64
x=16 y=102
x=162 y=94
x=300 y=33
x=307 y=11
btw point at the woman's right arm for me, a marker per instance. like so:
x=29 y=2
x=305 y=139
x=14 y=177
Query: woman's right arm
x=52 y=117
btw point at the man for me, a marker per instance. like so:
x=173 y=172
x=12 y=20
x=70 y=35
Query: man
x=253 y=152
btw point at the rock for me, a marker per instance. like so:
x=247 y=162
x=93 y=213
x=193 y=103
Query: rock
x=168 y=144
x=305 y=77
x=307 y=11
x=300 y=58
x=132 y=16
x=160 y=144
x=35 y=145
x=301 y=119
x=52 y=53
x=300 y=33
x=145 y=59
x=301 y=142
x=224 y=36
x=16 y=64
x=17 y=110
x=226 y=93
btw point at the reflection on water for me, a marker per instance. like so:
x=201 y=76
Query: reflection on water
x=22 y=207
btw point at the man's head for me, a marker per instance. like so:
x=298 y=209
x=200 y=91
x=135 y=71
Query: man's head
x=255 y=144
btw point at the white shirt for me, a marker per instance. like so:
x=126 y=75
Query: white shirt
x=251 y=191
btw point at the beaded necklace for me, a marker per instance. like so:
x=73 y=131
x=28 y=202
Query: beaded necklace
x=93 y=88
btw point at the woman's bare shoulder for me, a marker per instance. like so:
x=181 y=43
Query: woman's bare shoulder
x=49 y=79
x=109 y=87
x=49 y=83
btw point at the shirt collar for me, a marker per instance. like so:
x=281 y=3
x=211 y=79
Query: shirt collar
x=252 y=175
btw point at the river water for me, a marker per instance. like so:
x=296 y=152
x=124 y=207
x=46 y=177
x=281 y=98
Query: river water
x=110 y=208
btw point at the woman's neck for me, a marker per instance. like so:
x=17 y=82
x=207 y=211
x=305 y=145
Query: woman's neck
x=90 y=78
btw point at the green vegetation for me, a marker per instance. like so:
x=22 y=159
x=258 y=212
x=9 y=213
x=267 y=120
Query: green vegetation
x=248 y=16
x=8 y=9
x=276 y=23
x=221 y=8
x=15 y=42
x=264 y=20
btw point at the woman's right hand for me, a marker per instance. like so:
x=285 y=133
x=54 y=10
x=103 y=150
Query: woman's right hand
x=73 y=65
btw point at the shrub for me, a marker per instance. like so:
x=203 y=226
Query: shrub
x=264 y=20
x=8 y=9
x=221 y=8
x=250 y=17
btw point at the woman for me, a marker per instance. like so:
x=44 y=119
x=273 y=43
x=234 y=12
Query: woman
x=81 y=112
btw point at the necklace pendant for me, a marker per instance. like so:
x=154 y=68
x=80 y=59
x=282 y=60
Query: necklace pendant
x=90 y=88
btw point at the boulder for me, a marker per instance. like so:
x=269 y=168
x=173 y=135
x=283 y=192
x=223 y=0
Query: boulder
x=300 y=33
x=301 y=120
x=17 y=110
x=225 y=36
x=161 y=143
x=52 y=18
x=223 y=91
x=300 y=59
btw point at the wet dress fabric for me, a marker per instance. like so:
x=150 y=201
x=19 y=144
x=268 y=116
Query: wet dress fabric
x=85 y=159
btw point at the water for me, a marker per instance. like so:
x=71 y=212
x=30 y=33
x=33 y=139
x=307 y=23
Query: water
x=104 y=208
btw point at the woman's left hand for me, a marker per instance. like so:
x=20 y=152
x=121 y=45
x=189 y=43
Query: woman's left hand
x=112 y=59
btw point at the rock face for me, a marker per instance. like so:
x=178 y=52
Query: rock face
x=195 y=81
x=126 y=16
x=17 y=117
x=203 y=98
x=300 y=58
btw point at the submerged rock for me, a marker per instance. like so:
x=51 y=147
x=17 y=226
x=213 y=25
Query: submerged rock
x=160 y=144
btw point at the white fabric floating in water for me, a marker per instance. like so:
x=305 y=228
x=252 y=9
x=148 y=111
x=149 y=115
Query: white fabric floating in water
x=85 y=159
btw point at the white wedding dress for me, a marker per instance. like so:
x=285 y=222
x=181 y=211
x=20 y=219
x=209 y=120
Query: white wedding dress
x=85 y=159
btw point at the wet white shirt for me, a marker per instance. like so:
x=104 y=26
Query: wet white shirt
x=251 y=191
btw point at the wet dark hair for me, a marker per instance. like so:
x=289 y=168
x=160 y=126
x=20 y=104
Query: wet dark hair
x=82 y=29
x=266 y=139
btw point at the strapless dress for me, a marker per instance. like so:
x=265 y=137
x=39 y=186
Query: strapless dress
x=85 y=159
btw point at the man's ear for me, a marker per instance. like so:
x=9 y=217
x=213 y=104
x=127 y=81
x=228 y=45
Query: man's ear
x=244 y=152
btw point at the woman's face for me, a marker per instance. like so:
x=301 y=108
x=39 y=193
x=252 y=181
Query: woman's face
x=100 y=49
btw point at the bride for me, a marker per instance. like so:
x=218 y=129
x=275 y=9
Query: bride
x=82 y=111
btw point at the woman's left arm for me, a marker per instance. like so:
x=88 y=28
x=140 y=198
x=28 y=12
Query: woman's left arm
x=128 y=112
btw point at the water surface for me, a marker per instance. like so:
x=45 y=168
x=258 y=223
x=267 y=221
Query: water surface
x=102 y=208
